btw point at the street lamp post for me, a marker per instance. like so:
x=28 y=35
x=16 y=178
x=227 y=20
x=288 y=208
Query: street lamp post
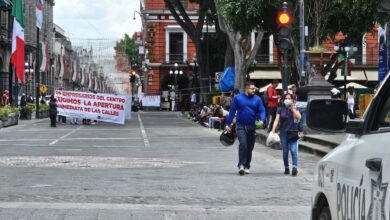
x=175 y=72
x=144 y=46
x=348 y=50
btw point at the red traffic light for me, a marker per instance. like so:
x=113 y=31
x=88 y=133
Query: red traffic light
x=284 y=18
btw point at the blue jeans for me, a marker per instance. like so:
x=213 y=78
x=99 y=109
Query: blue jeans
x=289 y=145
x=246 y=136
x=303 y=118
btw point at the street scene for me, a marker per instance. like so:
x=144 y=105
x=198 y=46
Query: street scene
x=177 y=171
x=194 y=109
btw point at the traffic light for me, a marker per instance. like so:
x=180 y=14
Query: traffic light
x=284 y=29
x=132 y=76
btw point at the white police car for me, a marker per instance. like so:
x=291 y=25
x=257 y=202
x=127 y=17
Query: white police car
x=352 y=181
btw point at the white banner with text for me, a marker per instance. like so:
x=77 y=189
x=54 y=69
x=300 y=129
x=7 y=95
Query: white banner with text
x=101 y=107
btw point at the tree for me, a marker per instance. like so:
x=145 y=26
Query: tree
x=354 y=18
x=127 y=47
x=195 y=32
x=238 y=19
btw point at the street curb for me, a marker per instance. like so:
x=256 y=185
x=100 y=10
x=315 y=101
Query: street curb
x=316 y=147
x=25 y=123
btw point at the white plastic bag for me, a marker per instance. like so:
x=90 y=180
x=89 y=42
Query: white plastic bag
x=272 y=139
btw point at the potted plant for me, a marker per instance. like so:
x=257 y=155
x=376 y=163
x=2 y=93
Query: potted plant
x=9 y=115
x=43 y=110
x=29 y=109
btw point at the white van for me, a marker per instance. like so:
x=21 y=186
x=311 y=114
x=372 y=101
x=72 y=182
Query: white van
x=352 y=181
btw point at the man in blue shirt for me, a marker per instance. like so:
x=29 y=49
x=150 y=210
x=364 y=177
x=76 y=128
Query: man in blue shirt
x=246 y=107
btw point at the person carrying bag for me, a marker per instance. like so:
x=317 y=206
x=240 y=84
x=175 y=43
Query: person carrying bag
x=288 y=117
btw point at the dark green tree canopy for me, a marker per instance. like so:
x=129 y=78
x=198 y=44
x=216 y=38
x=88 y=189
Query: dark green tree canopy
x=244 y=16
x=128 y=47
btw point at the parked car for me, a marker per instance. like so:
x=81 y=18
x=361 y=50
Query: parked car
x=352 y=181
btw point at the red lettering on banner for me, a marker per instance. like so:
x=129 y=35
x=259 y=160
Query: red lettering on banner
x=110 y=112
x=88 y=103
x=96 y=111
x=114 y=99
x=108 y=105
x=70 y=107
x=100 y=98
x=70 y=101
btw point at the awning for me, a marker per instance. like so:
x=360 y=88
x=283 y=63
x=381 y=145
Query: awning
x=5 y=5
x=358 y=75
x=355 y=85
x=264 y=88
x=265 y=74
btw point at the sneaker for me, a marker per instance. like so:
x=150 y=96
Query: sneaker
x=287 y=171
x=246 y=170
x=241 y=170
x=294 y=171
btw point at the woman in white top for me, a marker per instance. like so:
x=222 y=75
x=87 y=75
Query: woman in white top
x=351 y=99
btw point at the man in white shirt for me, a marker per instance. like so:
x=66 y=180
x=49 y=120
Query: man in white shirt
x=193 y=99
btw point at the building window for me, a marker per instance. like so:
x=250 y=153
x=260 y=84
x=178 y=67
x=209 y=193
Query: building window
x=176 y=52
x=263 y=53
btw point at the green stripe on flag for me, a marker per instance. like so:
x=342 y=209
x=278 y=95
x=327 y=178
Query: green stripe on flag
x=18 y=11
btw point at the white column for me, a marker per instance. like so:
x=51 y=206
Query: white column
x=271 y=49
x=364 y=49
x=253 y=39
x=185 y=49
x=167 y=46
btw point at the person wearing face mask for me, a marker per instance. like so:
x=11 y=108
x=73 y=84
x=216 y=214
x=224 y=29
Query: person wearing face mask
x=288 y=118
x=246 y=107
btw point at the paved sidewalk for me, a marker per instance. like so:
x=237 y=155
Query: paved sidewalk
x=26 y=123
x=317 y=144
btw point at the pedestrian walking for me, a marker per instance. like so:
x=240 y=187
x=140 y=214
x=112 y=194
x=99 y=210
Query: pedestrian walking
x=272 y=105
x=53 y=111
x=351 y=101
x=227 y=101
x=247 y=107
x=193 y=99
x=23 y=100
x=288 y=118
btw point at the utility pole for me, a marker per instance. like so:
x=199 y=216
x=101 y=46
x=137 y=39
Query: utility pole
x=37 y=77
x=302 y=38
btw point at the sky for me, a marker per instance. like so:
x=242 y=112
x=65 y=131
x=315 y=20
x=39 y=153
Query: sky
x=92 y=19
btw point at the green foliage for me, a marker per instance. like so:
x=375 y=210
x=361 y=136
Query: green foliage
x=8 y=110
x=30 y=107
x=128 y=47
x=317 y=49
x=244 y=16
x=43 y=107
x=354 y=18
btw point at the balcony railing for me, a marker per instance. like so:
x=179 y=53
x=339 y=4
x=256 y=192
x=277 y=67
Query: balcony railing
x=175 y=58
x=264 y=59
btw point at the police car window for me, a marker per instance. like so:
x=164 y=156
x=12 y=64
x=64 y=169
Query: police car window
x=384 y=116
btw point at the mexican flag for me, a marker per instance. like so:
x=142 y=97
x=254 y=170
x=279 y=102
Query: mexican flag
x=17 y=58
x=44 y=47
x=39 y=13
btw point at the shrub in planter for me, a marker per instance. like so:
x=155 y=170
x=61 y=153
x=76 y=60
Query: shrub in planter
x=5 y=111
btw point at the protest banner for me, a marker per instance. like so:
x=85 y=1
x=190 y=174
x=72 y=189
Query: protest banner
x=99 y=107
